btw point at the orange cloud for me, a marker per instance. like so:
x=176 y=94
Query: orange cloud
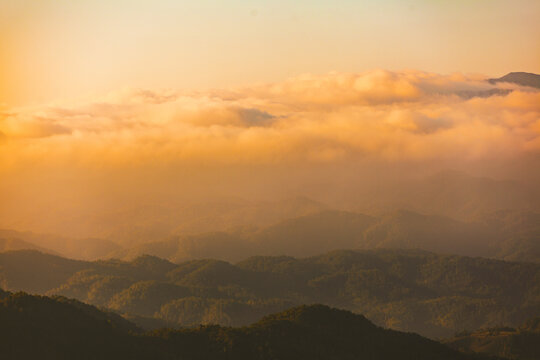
x=336 y=117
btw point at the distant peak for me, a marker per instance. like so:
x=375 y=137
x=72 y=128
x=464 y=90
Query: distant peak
x=519 y=78
x=520 y=73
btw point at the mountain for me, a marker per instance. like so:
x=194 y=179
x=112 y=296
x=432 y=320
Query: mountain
x=233 y=228
x=124 y=223
x=516 y=234
x=222 y=245
x=84 y=249
x=461 y=196
x=37 y=327
x=407 y=229
x=520 y=78
x=8 y=244
x=96 y=231
x=409 y=290
x=505 y=234
x=235 y=213
x=312 y=234
x=58 y=328
x=522 y=343
x=33 y=271
x=300 y=236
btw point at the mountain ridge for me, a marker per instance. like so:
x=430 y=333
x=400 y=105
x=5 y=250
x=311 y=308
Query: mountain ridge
x=305 y=332
x=510 y=235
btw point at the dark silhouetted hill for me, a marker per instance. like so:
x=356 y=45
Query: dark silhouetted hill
x=520 y=78
x=34 y=327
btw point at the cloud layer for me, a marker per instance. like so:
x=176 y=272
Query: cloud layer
x=377 y=115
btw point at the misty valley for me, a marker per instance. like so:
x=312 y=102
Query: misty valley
x=286 y=279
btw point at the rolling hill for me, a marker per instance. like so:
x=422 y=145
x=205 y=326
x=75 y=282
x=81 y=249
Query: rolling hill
x=409 y=290
x=58 y=328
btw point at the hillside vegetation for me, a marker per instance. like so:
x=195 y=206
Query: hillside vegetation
x=434 y=295
x=522 y=343
x=34 y=327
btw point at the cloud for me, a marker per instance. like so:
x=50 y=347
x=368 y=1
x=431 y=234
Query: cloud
x=379 y=115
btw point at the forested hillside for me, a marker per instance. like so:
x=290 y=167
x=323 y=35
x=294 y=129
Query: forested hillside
x=434 y=295
x=34 y=327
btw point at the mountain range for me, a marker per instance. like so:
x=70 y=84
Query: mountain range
x=510 y=235
x=406 y=290
x=504 y=234
x=91 y=234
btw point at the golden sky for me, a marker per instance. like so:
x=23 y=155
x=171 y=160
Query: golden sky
x=51 y=49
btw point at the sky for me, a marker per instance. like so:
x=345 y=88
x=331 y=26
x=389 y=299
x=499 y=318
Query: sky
x=58 y=49
x=110 y=105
